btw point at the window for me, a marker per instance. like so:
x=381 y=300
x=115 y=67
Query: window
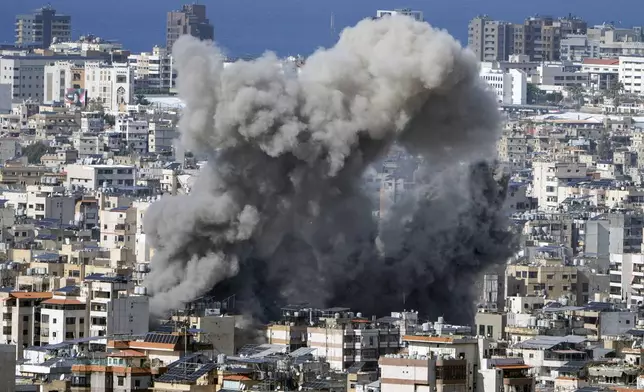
x=120 y=381
x=70 y=320
x=53 y=334
x=137 y=383
x=54 y=321
x=25 y=319
x=550 y=276
x=532 y=274
x=564 y=276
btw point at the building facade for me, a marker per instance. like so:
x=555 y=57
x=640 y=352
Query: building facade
x=43 y=27
x=191 y=20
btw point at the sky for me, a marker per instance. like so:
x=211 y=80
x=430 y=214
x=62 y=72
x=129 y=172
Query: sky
x=289 y=27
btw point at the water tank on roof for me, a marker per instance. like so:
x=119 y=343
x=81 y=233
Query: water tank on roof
x=441 y=320
x=359 y=315
x=337 y=315
x=296 y=314
x=426 y=327
x=532 y=321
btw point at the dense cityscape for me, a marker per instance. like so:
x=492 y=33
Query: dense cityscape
x=177 y=220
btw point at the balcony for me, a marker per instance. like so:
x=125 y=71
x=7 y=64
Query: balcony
x=518 y=381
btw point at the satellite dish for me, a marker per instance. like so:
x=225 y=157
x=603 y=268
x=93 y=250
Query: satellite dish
x=62 y=377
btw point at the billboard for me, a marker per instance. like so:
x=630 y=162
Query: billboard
x=76 y=97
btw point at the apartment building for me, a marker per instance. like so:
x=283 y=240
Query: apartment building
x=550 y=278
x=49 y=202
x=153 y=71
x=21 y=318
x=95 y=177
x=603 y=74
x=135 y=134
x=122 y=370
x=18 y=174
x=548 y=175
x=417 y=15
x=113 y=308
x=490 y=40
x=561 y=75
x=162 y=136
x=513 y=149
x=118 y=228
x=343 y=338
x=437 y=363
x=26 y=75
x=191 y=20
x=631 y=71
x=63 y=317
x=42 y=27
x=577 y=47
x=510 y=88
x=61 y=77
x=111 y=85
x=8 y=368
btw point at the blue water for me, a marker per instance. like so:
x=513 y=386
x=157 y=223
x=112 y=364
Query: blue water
x=250 y=27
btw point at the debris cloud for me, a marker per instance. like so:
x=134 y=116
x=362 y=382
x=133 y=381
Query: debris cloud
x=279 y=214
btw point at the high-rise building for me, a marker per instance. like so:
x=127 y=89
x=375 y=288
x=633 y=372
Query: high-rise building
x=490 y=40
x=42 y=28
x=191 y=20
x=418 y=15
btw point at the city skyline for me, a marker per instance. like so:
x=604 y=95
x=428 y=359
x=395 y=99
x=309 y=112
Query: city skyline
x=290 y=27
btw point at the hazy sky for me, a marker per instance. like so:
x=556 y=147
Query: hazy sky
x=294 y=26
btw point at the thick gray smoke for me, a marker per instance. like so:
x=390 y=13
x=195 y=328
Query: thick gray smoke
x=278 y=214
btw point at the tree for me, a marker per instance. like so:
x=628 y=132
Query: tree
x=141 y=100
x=109 y=119
x=95 y=106
x=35 y=151
x=576 y=93
x=534 y=94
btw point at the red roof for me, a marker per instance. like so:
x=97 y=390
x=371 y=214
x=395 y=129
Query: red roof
x=602 y=61
x=30 y=295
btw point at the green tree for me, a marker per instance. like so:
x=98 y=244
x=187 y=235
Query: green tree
x=35 y=151
x=141 y=100
x=109 y=119
x=534 y=94
x=95 y=106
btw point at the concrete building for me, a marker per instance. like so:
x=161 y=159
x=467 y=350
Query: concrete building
x=191 y=19
x=433 y=363
x=63 y=317
x=490 y=40
x=113 y=310
x=122 y=371
x=418 y=15
x=10 y=148
x=548 y=175
x=627 y=278
x=42 y=27
x=8 y=368
x=26 y=75
x=561 y=75
x=135 y=132
x=161 y=136
x=510 y=88
x=20 y=318
x=550 y=279
x=153 y=71
x=578 y=47
x=603 y=74
x=111 y=85
x=118 y=228
x=62 y=76
x=18 y=174
x=49 y=202
x=343 y=339
x=99 y=176
x=631 y=71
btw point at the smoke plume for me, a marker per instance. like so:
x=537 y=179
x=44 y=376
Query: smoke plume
x=278 y=214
